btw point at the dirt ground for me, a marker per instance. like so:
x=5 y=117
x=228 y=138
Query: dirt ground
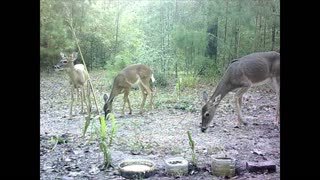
x=157 y=134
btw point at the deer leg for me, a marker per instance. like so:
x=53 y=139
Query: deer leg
x=238 y=99
x=152 y=93
x=144 y=97
x=276 y=86
x=147 y=90
x=84 y=99
x=88 y=97
x=129 y=105
x=126 y=99
x=77 y=96
x=71 y=103
x=81 y=100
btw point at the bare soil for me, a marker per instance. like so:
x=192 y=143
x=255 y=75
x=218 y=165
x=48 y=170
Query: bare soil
x=157 y=134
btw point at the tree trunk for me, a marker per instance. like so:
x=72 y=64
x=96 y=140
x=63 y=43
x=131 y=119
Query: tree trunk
x=176 y=69
x=226 y=25
x=162 y=39
x=117 y=31
x=238 y=42
x=91 y=55
x=273 y=28
x=259 y=32
x=216 y=39
x=175 y=21
x=237 y=31
x=254 y=44
x=225 y=29
x=264 y=33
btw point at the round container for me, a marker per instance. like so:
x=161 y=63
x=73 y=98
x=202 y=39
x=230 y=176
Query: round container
x=136 y=168
x=176 y=166
x=223 y=166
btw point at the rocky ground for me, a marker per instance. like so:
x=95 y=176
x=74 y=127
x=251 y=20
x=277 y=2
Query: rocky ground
x=155 y=135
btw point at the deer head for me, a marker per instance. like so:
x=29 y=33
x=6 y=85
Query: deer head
x=66 y=62
x=208 y=110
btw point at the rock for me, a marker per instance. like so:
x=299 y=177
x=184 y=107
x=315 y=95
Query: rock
x=261 y=166
x=258 y=152
x=67 y=178
x=94 y=170
x=47 y=168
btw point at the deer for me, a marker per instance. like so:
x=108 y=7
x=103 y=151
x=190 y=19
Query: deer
x=78 y=79
x=131 y=75
x=252 y=70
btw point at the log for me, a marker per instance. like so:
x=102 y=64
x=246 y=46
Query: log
x=261 y=166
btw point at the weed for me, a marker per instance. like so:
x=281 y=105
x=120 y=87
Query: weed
x=192 y=145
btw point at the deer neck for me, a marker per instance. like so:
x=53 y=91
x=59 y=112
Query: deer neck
x=72 y=74
x=222 y=89
x=113 y=94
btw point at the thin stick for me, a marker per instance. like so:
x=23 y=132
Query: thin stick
x=89 y=79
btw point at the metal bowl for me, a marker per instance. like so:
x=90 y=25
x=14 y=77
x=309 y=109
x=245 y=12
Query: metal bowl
x=136 y=168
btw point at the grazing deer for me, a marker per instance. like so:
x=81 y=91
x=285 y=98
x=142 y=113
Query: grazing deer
x=78 y=79
x=251 y=70
x=132 y=74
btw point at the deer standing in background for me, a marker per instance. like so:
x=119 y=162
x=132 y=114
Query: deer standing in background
x=251 y=70
x=132 y=74
x=78 y=79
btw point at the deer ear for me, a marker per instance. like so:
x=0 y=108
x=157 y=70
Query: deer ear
x=105 y=97
x=75 y=56
x=218 y=98
x=61 y=54
x=205 y=96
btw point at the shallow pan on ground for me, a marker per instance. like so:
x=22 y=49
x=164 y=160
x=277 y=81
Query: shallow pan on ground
x=137 y=168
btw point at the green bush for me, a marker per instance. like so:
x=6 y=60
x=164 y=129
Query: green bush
x=161 y=80
x=189 y=81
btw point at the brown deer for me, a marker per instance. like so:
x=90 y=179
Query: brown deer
x=132 y=74
x=251 y=70
x=78 y=79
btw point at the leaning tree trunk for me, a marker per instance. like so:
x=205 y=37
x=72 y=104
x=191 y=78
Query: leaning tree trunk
x=225 y=29
x=273 y=29
x=226 y=24
x=237 y=31
x=216 y=40
x=117 y=31
x=264 y=33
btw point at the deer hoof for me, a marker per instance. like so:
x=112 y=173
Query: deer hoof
x=241 y=123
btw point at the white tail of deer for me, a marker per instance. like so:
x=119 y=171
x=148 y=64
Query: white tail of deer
x=78 y=79
x=251 y=70
x=132 y=74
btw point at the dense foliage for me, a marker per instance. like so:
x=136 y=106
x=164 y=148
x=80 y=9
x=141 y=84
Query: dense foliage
x=190 y=37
